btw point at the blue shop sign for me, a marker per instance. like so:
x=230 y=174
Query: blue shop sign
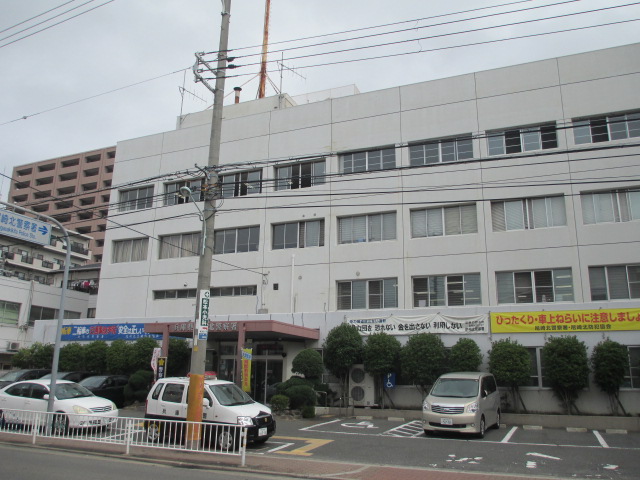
x=113 y=331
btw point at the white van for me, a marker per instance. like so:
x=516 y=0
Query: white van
x=223 y=402
x=465 y=402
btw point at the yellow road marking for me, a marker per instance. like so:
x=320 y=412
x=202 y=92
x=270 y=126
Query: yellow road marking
x=311 y=443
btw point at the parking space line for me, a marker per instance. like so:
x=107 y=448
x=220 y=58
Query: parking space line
x=311 y=427
x=600 y=439
x=310 y=444
x=508 y=436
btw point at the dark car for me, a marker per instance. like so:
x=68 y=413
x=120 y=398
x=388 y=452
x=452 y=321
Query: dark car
x=107 y=386
x=19 y=375
x=71 y=376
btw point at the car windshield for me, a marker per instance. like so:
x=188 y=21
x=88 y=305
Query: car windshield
x=12 y=376
x=229 y=394
x=455 y=387
x=92 y=382
x=64 y=391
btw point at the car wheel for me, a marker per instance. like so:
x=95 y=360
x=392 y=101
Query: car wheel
x=497 y=425
x=482 y=428
x=153 y=431
x=227 y=440
x=60 y=424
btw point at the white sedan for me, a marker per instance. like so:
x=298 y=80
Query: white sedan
x=25 y=403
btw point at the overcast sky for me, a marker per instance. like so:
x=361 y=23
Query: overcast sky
x=124 y=42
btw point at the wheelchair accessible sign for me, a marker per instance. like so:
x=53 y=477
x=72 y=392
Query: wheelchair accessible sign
x=389 y=381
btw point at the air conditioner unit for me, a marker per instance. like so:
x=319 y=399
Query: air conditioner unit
x=13 y=346
x=361 y=387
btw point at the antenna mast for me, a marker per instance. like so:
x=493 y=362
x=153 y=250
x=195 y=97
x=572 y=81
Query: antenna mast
x=265 y=44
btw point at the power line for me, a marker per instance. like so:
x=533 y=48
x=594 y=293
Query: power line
x=36 y=16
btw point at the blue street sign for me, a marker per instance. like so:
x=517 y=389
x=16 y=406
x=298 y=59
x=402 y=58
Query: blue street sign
x=390 y=380
x=25 y=228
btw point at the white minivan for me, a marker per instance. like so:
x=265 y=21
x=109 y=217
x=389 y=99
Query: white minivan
x=223 y=403
x=465 y=402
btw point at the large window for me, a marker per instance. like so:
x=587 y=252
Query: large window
x=236 y=240
x=610 y=206
x=368 y=294
x=367 y=228
x=528 y=213
x=537 y=378
x=9 y=312
x=133 y=250
x=174 y=294
x=522 y=140
x=298 y=234
x=238 y=291
x=441 y=151
x=181 y=245
x=45 y=313
x=300 y=175
x=436 y=222
x=446 y=290
x=172 y=194
x=368 y=161
x=606 y=128
x=136 y=199
x=538 y=286
x=241 y=184
x=632 y=379
x=619 y=282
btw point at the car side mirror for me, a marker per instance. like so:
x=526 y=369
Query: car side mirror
x=45 y=396
x=205 y=402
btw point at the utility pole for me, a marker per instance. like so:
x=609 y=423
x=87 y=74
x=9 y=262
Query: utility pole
x=200 y=331
x=265 y=45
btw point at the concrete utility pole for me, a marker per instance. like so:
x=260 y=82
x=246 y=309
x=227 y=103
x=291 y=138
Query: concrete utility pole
x=198 y=354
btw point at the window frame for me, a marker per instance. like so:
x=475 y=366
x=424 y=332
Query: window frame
x=607 y=277
x=287 y=179
x=606 y=128
x=166 y=248
x=438 y=221
x=532 y=288
x=139 y=202
x=632 y=380
x=301 y=232
x=419 y=152
x=119 y=250
x=172 y=192
x=6 y=312
x=240 y=184
x=446 y=283
x=236 y=232
x=235 y=291
x=502 y=213
x=386 y=233
x=624 y=206
x=514 y=140
x=366 y=159
x=370 y=293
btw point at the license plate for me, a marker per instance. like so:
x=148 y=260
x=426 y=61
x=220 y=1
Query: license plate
x=446 y=421
x=262 y=432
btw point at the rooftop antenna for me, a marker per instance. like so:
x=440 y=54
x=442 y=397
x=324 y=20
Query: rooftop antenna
x=265 y=44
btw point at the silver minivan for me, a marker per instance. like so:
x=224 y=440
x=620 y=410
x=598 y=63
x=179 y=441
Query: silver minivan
x=465 y=402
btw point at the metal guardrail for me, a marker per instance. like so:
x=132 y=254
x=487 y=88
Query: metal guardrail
x=130 y=432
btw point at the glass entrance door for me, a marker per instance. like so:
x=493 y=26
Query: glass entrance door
x=266 y=372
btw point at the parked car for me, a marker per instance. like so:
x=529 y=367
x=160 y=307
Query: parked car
x=71 y=376
x=19 y=375
x=465 y=402
x=224 y=402
x=76 y=407
x=107 y=386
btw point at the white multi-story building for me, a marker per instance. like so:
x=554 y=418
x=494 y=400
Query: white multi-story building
x=502 y=203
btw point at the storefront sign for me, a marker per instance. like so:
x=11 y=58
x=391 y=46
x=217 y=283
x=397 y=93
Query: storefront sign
x=433 y=323
x=569 y=321
x=127 y=331
x=246 y=369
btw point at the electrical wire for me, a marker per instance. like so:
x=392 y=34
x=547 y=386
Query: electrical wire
x=36 y=16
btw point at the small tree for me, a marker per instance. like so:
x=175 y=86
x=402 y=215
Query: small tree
x=381 y=355
x=610 y=363
x=41 y=355
x=72 y=357
x=309 y=364
x=342 y=348
x=465 y=356
x=178 y=358
x=140 y=353
x=118 y=356
x=566 y=368
x=22 y=358
x=95 y=357
x=423 y=360
x=511 y=365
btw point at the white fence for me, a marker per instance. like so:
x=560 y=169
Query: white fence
x=130 y=432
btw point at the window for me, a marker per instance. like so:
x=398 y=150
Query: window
x=446 y=290
x=368 y=294
x=241 y=183
x=173 y=393
x=606 y=128
x=441 y=151
x=610 y=206
x=632 y=380
x=368 y=161
x=436 y=222
x=538 y=378
x=9 y=312
x=367 y=228
x=246 y=290
x=136 y=199
x=522 y=140
x=181 y=245
x=173 y=294
x=528 y=213
x=172 y=194
x=539 y=286
x=300 y=175
x=620 y=282
x=298 y=234
x=236 y=240
x=133 y=250
x=45 y=313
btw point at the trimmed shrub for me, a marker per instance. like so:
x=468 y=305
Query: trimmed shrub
x=139 y=385
x=308 y=411
x=300 y=395
x=279 y=403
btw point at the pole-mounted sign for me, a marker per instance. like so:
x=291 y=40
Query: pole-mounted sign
x=203 y=320
x=25 y=228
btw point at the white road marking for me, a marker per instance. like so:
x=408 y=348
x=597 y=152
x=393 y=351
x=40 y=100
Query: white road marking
x=601 y=440
x=508 y=436
x=610 y=467
x=542 y=455
x=531 y=464
x=284 y=445
x=359 y=425
x=321 y=424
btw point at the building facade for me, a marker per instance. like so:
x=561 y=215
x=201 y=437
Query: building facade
x=74 y=189
x=498 y=204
